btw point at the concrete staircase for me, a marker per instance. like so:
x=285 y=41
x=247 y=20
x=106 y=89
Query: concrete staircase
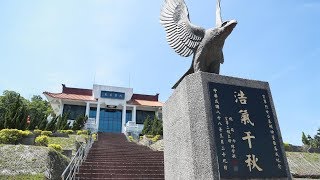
x=113 y=157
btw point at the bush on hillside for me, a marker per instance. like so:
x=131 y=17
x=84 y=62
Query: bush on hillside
x=69 y=131
x=130 y=138
x=85 y=132
x=42 y=140
x=94 y=136
x=156 y=138
x=46 y=133
x=37 y=132
x=287 y=146
x=12 y=136
x=56 y=147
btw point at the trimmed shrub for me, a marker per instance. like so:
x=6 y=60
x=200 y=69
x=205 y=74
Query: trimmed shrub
x=156 y=138
x=12 y=136
x=26 y=133
x=42 y=140
x=85 y=132
x=130 y=138
x=46 y=133
x=94 y=136
x=287 y=146
x=37 y=132
x=66 y=131
x=149 y=136
x=56 y=147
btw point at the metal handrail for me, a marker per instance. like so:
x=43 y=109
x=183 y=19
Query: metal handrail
x=75 y=163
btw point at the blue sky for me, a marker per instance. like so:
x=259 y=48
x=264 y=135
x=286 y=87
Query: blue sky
x=46 y=43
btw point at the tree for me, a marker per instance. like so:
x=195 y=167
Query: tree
x=147 y=126
x=305 y=140
x=39 y=110
x=79 y=122
x=13 y=110
x=62 y=123
x=313 y=142
x=157 y=128
x=51 y=126
x=316 y=139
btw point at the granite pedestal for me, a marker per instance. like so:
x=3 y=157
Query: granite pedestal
x=190 y=132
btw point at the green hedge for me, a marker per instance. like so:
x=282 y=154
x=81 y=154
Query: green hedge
x=66 y=131
x=56 y=147
x=156 y=138
x=42 y=140
x=12 y=136
x=37 y=132
x=94 y=136
x=46 y=133
x=85 y=132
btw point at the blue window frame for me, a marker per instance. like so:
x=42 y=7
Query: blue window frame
x=128 y=115
x=93 y=112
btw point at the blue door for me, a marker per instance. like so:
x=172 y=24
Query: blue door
x=110 y=120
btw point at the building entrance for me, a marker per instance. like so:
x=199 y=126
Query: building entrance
x=110 y=120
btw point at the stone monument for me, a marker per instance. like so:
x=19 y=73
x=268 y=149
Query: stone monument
x=216 y=127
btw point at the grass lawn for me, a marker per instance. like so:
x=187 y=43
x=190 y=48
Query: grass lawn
x=67 y=143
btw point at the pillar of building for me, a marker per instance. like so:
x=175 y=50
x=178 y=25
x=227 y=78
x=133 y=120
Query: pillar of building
x=124 y=115
x=61 y=108
x=98 y=116
x=87 y=109
x=134 y=114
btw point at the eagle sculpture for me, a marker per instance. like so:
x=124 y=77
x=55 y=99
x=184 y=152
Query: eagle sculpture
x=186 y=38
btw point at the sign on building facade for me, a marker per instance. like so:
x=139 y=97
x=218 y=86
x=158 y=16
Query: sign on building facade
x=112 y=95
x=246 y=135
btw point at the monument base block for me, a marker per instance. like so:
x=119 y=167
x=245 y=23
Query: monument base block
x=208 y=122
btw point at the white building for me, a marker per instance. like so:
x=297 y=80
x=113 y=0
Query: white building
x=110 y=109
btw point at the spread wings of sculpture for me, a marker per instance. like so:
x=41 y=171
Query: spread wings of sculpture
x=186 y=38
x=182 y=36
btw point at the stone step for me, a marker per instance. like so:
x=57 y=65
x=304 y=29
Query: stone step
x=122 y=171
x=92 y=178
x=132 y=158
x=113 y=157
x=127 y=176
x=121 y=167
x=125 y=161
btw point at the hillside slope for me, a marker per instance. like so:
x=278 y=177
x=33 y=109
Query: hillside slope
x=304 y=164
x=23 y=159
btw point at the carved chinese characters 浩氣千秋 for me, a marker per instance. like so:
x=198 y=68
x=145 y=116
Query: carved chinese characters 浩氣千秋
x=245 y=118
x=240 y=97
x=252 y=162
x=248 y=137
